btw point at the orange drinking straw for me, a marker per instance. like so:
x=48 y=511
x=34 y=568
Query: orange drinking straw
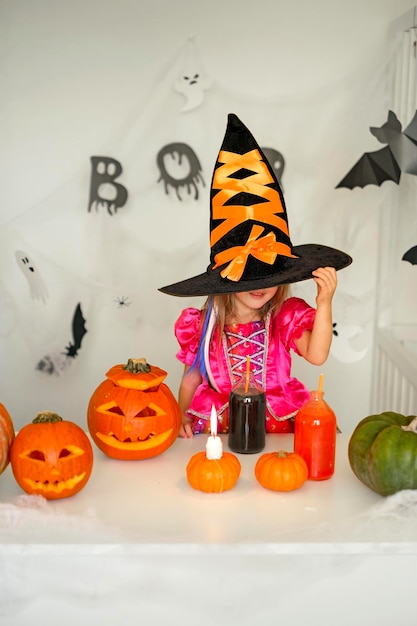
x=320 y=389
x=247 y=373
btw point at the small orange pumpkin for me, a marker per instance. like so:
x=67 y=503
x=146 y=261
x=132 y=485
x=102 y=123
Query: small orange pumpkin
x=133 y=414
x=51 y=457
x=281 y=471
x=213 y=476
x=7 y=436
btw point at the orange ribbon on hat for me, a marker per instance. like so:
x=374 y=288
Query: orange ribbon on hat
x=269 y=210
x=264 y=249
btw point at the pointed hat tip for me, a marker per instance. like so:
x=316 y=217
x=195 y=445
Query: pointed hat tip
x=233 y=120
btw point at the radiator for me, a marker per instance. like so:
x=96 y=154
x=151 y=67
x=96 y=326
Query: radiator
x=394 y=384
x=395 y=375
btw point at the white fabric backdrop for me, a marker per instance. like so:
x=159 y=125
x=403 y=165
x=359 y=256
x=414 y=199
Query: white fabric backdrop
x=113 y=264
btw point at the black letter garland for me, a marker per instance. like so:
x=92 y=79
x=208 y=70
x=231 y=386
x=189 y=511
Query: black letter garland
x=103 y=190
x=182 y=150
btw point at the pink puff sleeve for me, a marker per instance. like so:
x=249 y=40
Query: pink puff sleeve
x=296 y=316
x=187 y=332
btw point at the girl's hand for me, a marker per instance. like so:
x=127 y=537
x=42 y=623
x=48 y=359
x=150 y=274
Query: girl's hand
x=314 y=345
x=186 y=430
x=326 y=281
x=189 y=383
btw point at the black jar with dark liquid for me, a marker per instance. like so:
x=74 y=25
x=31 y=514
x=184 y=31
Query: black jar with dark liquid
x=247 y=409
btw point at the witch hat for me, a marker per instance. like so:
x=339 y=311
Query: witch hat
x=249 y=236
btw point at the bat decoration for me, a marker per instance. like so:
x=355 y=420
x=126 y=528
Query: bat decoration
x=411 y=256
x=397 y=157
x=78 y=332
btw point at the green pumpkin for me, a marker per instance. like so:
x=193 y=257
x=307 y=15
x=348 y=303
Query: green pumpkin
x=383 y=452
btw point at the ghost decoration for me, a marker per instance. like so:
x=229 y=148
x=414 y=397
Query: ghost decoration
x=179 y=167
x=53 y=363
x=341 y=348
x=104 y=191
x=276 y=161
x=192 y=82
x=192 y=86
x=35 y=281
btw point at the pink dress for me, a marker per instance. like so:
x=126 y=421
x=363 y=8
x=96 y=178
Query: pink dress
x=268 y=345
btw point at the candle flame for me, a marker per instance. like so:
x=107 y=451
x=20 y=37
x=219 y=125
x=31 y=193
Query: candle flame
x=213 y=421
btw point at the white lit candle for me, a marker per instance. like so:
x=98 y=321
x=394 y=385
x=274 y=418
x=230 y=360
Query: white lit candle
x=214 y=448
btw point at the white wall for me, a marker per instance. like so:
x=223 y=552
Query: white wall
x=93 y=77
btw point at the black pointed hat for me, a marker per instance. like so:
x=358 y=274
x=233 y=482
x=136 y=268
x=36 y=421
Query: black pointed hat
x=249 y=236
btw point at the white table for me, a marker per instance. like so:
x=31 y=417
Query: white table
x=139 y=545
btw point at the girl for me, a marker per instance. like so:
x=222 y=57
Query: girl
x=264 y=325
x=248 y=312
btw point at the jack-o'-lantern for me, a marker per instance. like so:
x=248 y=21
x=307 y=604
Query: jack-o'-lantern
x=133 y=415
x=7 y=435
x=51 y=457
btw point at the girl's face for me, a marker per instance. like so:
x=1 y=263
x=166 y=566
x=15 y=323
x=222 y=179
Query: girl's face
x=247 y=302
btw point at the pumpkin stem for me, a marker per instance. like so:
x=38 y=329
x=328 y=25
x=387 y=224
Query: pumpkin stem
x=46 y=416
x=137 y=366
x=281 y=454
x=412 y=426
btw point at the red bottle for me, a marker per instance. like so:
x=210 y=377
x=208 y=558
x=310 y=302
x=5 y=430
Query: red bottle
x=315 y=436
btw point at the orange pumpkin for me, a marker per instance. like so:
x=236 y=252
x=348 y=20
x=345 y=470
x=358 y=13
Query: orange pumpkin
x=213 y=476
x=51 y=457
x=133 y=414
x=281 y=471
x=7 y=435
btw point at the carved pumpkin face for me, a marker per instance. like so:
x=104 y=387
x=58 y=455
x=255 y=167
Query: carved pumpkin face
x=51 y=457
x=7 y=435
x=132 y=414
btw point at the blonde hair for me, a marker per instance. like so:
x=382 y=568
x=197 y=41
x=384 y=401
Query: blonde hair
x=224 y=306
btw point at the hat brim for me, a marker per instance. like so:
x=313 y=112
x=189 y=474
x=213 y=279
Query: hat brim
x=293 y=270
